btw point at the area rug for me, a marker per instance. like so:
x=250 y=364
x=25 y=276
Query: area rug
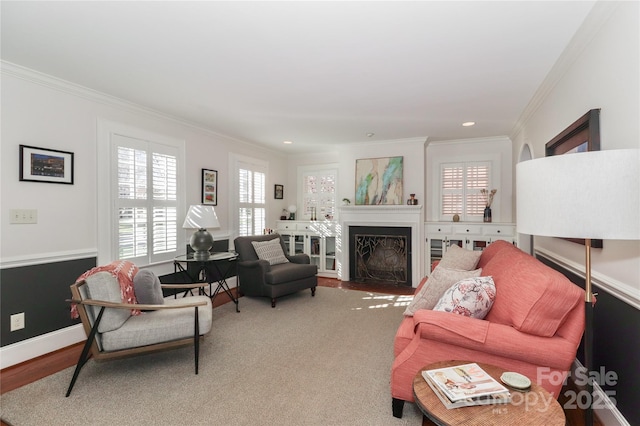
x=322 y=360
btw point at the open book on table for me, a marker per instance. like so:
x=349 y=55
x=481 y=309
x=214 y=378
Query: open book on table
x=466 y=385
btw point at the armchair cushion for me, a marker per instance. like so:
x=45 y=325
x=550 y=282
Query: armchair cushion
x=160 y=326
x=271 y=251
x=471 y=297
x=104 y=286
x=289 y=272
x=458 y=258
x=148 y=288
x=438 y=282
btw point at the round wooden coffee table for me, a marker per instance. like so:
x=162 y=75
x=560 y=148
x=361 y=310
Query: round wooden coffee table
x=535 y=406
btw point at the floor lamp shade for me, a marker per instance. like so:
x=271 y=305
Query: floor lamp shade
x=587 y=195
x=201 y=217
x=583 y=195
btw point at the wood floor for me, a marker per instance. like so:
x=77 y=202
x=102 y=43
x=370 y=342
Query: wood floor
x=38 y=368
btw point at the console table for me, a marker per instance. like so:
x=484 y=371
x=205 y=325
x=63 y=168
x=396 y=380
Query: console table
x=215 y=269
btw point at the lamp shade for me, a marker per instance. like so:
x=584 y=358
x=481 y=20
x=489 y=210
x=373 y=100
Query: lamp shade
x=201 y=217
x=581 y=195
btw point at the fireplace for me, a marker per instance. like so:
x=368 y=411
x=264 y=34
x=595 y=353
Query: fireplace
x=380 y=254
x=385 y=218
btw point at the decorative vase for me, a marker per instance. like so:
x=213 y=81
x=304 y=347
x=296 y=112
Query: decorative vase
x=487 y=214
x=412 y=201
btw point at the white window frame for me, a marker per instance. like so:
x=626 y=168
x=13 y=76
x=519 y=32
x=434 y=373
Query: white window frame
x=108 y=189
x=317 y=170
x=236 y=162
x=494 y=183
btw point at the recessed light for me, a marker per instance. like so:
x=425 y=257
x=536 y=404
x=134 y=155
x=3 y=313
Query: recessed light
x=287 y=142
x=370 y=134
x=468 y=123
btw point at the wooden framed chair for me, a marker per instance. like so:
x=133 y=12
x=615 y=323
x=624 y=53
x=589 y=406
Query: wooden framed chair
x=113 y=332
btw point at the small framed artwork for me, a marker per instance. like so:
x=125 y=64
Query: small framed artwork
x=210 y=187
x=45 y=165
x=278 y=192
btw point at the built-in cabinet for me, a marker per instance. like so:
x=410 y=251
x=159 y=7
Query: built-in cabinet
x=468 y=235
x=314 y=238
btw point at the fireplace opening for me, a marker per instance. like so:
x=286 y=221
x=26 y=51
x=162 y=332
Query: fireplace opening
x=380 y=254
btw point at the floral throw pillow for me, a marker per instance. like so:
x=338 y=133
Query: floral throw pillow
x=471 y=297
x=439 y=281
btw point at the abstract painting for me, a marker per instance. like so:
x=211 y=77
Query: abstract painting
x=379 y=181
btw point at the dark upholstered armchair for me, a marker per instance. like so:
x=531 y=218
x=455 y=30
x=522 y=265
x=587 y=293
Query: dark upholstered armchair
x=273 y=273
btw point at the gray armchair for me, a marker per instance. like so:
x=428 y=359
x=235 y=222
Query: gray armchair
x=257 y=277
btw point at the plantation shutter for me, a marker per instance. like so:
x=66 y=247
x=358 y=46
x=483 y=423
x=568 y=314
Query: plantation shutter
x=146 y=204
x=252 y=200
x=460 y=189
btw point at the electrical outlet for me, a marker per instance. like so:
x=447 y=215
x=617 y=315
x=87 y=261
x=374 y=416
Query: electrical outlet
x=17 y=321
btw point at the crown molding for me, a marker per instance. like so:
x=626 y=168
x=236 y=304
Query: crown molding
x=593 y=23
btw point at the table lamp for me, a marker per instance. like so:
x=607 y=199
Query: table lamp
x=292 y=212
x=587 y=195
x=201 y=217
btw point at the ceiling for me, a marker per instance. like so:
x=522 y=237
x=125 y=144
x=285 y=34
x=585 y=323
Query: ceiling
x=314 y=73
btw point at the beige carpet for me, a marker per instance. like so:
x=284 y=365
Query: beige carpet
x=310 y=361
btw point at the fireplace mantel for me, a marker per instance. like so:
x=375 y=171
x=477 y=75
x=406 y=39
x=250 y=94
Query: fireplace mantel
x=384 y=215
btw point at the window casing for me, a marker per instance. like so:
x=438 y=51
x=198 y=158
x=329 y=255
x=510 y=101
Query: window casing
x=460 y=185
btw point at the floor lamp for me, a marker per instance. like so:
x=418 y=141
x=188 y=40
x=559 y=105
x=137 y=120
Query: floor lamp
x=587 y=195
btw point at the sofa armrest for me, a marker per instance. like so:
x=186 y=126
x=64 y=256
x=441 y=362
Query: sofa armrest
x=497 y=339
x=299 y=258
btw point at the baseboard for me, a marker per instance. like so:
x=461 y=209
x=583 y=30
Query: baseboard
x=606 y=410
x=28 y=349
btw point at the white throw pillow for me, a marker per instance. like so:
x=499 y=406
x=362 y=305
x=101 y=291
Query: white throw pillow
x=458 y=258
x=471 y=297
x=439 y=281
x=271 y=251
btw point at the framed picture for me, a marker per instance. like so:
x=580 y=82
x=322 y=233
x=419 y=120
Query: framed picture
x=210 y=187
x=45 y=165
x=379 y=181
x=278 y=192
x=583 y=135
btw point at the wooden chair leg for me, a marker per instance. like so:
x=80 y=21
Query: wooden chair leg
x=273 y=302
x=313 y=291
x=84 y=356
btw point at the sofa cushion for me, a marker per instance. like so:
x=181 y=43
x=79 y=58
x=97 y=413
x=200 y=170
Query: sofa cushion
x=147 y=288
x=105 y=287
x=530 y=297
x=271 y=251
x=471 y=297
x=439 y=281
x=458 y=258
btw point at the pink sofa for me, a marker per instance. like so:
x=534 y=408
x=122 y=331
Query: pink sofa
x=534 y=327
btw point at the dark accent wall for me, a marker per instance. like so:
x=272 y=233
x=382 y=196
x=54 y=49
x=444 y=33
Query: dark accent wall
x=616 y=334
x=40 y=292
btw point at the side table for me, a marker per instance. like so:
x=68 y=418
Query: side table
x=533 y=407
x=215 y=269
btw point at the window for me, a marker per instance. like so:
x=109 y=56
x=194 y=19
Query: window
x=146 y=206
x=460 y=189
x=251 y=198
x=318 y=192
x=140 y=201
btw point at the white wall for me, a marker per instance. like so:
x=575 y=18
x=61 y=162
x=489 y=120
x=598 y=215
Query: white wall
x=600 y=70
x=41 y=111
